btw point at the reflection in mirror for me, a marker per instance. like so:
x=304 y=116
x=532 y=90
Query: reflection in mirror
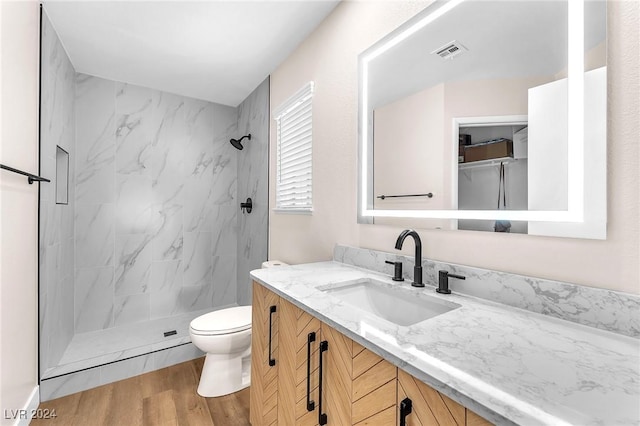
x=472 y=108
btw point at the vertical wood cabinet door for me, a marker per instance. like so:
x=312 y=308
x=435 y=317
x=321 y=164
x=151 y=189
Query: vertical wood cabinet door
x=475 y=420
x=359 y=387
x=265 y=360
x=374 y=389
x=335 y=375
x=428 y=406
x=299 y=340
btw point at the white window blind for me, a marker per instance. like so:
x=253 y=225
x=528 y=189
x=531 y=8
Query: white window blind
x=294 y=149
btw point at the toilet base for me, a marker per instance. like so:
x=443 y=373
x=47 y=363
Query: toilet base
x=223 y=374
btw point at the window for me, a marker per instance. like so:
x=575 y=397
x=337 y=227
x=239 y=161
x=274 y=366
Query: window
x=293 y=162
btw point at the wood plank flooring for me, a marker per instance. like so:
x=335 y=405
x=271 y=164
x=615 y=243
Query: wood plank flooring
x=163 y=397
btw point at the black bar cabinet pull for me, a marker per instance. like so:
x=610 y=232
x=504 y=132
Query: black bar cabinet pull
x=428 y=195
x=322 y=417
x=30 y=177
x=272 y=310
x=405 y=409
x=311 y=337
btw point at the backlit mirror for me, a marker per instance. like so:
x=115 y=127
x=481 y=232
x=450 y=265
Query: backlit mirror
x=477 y=111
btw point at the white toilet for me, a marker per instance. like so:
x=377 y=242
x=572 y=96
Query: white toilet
x=225 y=336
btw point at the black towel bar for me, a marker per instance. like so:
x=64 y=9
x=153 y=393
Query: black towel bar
x=428 y=194
x=30 y=178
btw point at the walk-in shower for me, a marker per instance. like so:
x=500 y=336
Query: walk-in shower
x=150 y=236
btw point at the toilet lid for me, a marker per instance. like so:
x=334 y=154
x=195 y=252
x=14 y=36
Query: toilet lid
x=224 y=321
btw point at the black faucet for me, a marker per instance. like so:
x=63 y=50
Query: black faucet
x=417 y=269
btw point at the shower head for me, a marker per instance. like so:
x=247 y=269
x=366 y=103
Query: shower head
x=236 y=142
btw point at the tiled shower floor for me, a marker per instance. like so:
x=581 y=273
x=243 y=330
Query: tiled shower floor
x=96 y=348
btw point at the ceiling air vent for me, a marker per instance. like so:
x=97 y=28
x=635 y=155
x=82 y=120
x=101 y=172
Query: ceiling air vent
x=450 y=50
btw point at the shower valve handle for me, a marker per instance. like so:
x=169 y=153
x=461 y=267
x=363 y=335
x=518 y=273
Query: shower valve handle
x=248 y=206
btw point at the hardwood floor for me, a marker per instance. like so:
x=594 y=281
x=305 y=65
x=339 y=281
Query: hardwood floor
x=162 y=397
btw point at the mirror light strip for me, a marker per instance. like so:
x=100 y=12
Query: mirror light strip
x=575 y=146
x=368 y=57
x=417 y=26
x=575 y=142
x=515 y=215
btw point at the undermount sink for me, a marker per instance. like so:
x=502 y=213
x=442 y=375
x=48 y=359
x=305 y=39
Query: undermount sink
x=394 y=305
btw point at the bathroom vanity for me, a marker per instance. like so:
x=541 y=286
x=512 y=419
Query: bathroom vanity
x=359 y=386
x=322 y=356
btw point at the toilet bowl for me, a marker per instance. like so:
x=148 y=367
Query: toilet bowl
x=225 y=336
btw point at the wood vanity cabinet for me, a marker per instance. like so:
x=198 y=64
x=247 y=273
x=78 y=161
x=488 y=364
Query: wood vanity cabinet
x=263 y=392
x=430 y=407
x=358 y=386
x=299 y=341
x=373 y=389
x=475 y=420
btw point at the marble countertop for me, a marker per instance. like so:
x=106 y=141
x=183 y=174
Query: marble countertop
x=509 y=365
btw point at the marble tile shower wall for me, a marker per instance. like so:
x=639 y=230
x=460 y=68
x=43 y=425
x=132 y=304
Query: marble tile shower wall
x=156 y=205
x=56 y=220
x=253 y=177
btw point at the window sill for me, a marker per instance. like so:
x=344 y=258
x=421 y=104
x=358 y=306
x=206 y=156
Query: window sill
x=291 y=211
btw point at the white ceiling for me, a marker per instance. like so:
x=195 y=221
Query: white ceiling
x=213 y=50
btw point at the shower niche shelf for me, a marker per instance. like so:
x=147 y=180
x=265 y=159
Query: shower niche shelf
x=62 y=176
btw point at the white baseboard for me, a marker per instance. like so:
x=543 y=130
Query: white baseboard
x=30 y=407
